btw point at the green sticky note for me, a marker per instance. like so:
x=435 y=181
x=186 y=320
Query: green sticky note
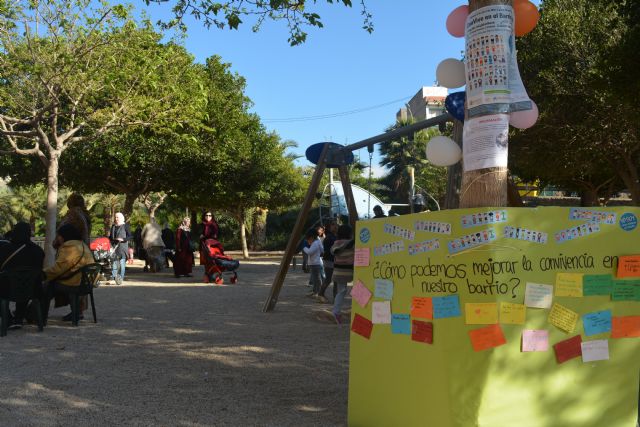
x=626 y=290
x=597 y=284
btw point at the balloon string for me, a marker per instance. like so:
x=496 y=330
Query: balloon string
x=477 y=178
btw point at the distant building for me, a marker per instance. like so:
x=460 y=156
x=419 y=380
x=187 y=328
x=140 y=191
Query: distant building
x=427 y=103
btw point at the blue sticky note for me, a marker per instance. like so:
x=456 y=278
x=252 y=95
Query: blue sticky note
x=401 y=324
x=446 y=307
x=384 y=289
x=597 y=322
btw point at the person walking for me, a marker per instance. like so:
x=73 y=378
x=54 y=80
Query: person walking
x=314 y=251
x=153 y=245
x=327 y=260
x=119 y=236
x=183 y=264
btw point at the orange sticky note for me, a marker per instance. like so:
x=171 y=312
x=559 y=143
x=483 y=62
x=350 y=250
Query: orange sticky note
x=625 y=327
x=481 y=313
x=487 y=337
x=422 y=307
x=629 y=266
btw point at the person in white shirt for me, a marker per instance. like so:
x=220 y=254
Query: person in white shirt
x=314 y=254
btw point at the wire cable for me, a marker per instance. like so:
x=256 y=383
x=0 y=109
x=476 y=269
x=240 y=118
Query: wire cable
x=333 y=115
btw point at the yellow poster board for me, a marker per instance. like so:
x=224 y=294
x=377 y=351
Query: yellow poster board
x=493 y=276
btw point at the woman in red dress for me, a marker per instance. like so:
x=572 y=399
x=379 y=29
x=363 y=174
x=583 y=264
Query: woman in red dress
x=210 y=229
x=183 y=264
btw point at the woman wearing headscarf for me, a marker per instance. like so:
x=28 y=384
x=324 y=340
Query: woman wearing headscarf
x=73 y=254
x=119 y=236
x=210 y=229
x=20 y=251
x=183 y=261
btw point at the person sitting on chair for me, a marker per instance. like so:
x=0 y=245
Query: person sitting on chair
x=64 y=274
x=20 y=252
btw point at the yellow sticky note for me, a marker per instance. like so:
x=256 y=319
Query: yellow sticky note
x=569 y=285
x=563 y=318
x=481 y=313
x=511 y=313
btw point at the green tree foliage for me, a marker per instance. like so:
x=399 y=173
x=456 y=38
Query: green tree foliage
x=74 y=70
x=580 y=66
x=298 y=14
x=399 y=155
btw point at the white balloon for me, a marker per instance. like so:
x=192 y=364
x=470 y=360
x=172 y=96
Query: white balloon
x=524 y=119
x=450 y=73
x=443 y=151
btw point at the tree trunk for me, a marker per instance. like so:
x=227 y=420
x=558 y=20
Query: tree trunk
x=629 y=176
x=129 y=201
x=589 y=197
x=243 y=234
x=484 y=187
x=513 y=195
x=52 y=209
x=259 y=228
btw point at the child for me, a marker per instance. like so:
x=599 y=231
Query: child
x=314 y=252
x=343 y=252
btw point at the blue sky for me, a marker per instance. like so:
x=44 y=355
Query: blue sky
x=340 y=68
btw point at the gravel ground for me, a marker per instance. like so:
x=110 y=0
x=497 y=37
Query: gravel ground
x=175 y=352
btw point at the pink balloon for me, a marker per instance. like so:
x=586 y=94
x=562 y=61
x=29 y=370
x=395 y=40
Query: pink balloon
x=524 y=119
x=456 y=21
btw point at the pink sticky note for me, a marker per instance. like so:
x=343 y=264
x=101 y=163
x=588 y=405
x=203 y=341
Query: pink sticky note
x=535 y=340
x=360 y=293
x=361 y=257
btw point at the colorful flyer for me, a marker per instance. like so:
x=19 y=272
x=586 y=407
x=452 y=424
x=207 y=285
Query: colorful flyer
x=563 y=318
x=591 y=215
x=444 y=307
x=597 y=322
x=513 y=314
x=483 y=218
x=568 y=349
x=471 y=240
x=628 y=266
x=595 y=350
x=422 y=331
x=422 y=307
x=426 y=246
x=362 y=326
x=383 y=289
x=538 y=296
x=433 y=226
x=521 y=233
x=535 y=340
x=568 y=285
x=399 y=231
x=389 y=248
x=481 y=313
x=400 y=324
x=625 y=327
x=577 y=232
x=597 y=284
x=487 y=337
x=381 y=312
x=361 y=257
x=360 y=293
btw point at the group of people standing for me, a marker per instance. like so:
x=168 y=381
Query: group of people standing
x=330 y=256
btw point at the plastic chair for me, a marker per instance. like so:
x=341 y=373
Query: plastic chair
x=90 y=275
x=20 y=285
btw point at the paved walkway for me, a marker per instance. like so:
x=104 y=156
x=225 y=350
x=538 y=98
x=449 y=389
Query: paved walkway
x=175 y=352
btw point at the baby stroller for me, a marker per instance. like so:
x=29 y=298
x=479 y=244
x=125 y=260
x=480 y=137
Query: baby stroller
x=102 y=253
x=217 y=263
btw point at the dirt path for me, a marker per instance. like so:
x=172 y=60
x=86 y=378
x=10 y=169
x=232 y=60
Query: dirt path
x=175 y=352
